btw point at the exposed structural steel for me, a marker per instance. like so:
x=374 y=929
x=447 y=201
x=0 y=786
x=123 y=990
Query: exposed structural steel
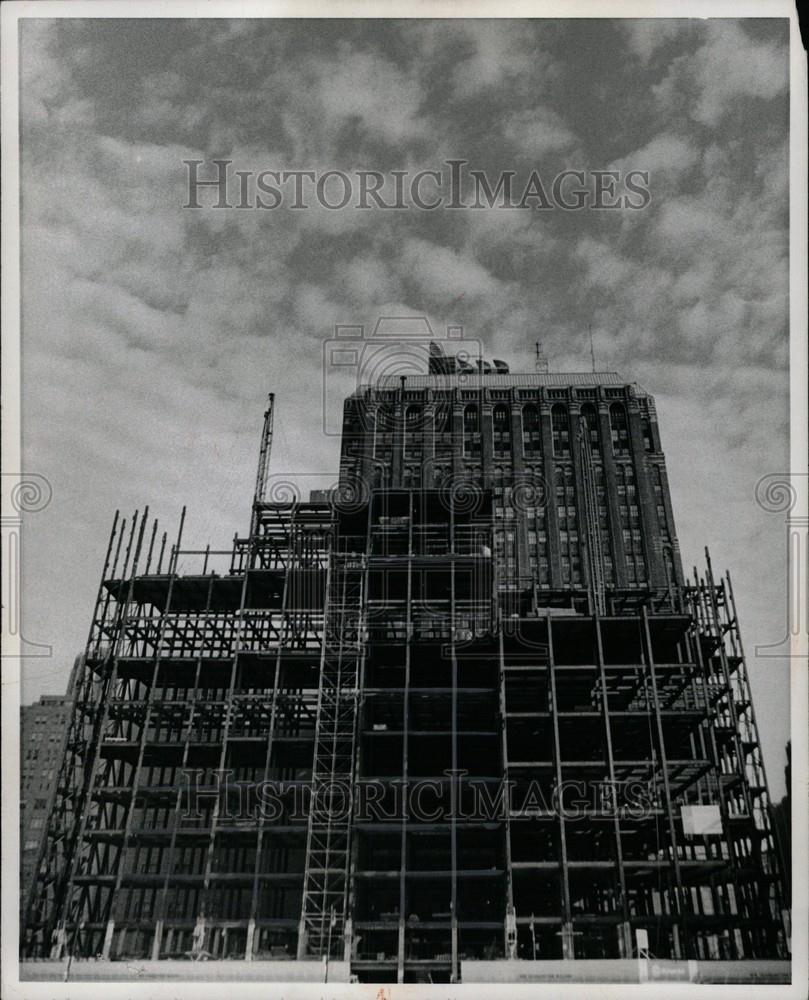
x=468 y=710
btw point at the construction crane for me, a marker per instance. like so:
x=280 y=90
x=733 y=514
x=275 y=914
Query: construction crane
x=263 y=458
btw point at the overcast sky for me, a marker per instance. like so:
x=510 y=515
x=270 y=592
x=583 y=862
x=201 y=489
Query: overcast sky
x=151 y=334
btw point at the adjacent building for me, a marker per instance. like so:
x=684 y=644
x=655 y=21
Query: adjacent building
x=43 y=727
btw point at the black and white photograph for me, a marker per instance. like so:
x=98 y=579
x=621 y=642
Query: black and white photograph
x=404 y=500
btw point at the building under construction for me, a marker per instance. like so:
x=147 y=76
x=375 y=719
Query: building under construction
x=466 y=708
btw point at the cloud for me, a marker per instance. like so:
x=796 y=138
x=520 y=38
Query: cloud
x=667 y=155
x=537 y=132
x=442 y=273
x=368 y=280
x=384 y=98
x=727 y=68
x=495 y=53
x=151 y=334
x=43 y=76
x=645 y=37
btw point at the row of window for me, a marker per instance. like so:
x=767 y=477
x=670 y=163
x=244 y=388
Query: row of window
x=570 y=551
x=569 y=531
x=502 y=431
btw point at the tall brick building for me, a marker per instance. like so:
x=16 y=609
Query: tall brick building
x=573 y=460
x=43 y=727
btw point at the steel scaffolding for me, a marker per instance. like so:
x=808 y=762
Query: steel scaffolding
x=363 y=733
x=326 y=878
x=328 y=652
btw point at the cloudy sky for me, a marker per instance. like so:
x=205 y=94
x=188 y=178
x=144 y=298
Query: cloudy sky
x=151 y=334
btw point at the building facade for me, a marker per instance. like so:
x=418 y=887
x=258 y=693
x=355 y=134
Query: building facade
x=465 y=710
x=573 y=461
x=43 y=727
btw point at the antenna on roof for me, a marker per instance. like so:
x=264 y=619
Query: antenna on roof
x=592 y=351
x=541 y=360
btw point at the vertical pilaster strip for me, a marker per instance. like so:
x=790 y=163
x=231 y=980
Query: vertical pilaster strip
x=652 y=546
x=486 y=440
x=549 y=464
x=613 y=503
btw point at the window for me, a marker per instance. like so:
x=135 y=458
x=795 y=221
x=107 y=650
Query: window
x=646 y=430
x=383 y=432
x=630 y=524
x=662 y=520
x=620 y=431
x=471 y=431
x=568 y=527
x=560 y=432
x=440 y=474
x=442 y=433
x=501 y=421
x=531 y=436
x=538 y=555
x=590 y=427
x=411 y=477
x=511 y=552
x=603 y=524
x=412 y=434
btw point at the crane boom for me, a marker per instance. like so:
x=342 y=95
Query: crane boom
x=264 y=452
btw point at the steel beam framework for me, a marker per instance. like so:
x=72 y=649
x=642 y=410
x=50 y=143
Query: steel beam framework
x=518 y=772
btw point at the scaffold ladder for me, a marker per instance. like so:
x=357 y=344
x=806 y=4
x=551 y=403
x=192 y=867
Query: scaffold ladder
x=325 y=891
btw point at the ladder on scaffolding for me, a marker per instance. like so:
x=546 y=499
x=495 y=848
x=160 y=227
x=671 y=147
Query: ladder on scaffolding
x=595 y=555
x=325 y=890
